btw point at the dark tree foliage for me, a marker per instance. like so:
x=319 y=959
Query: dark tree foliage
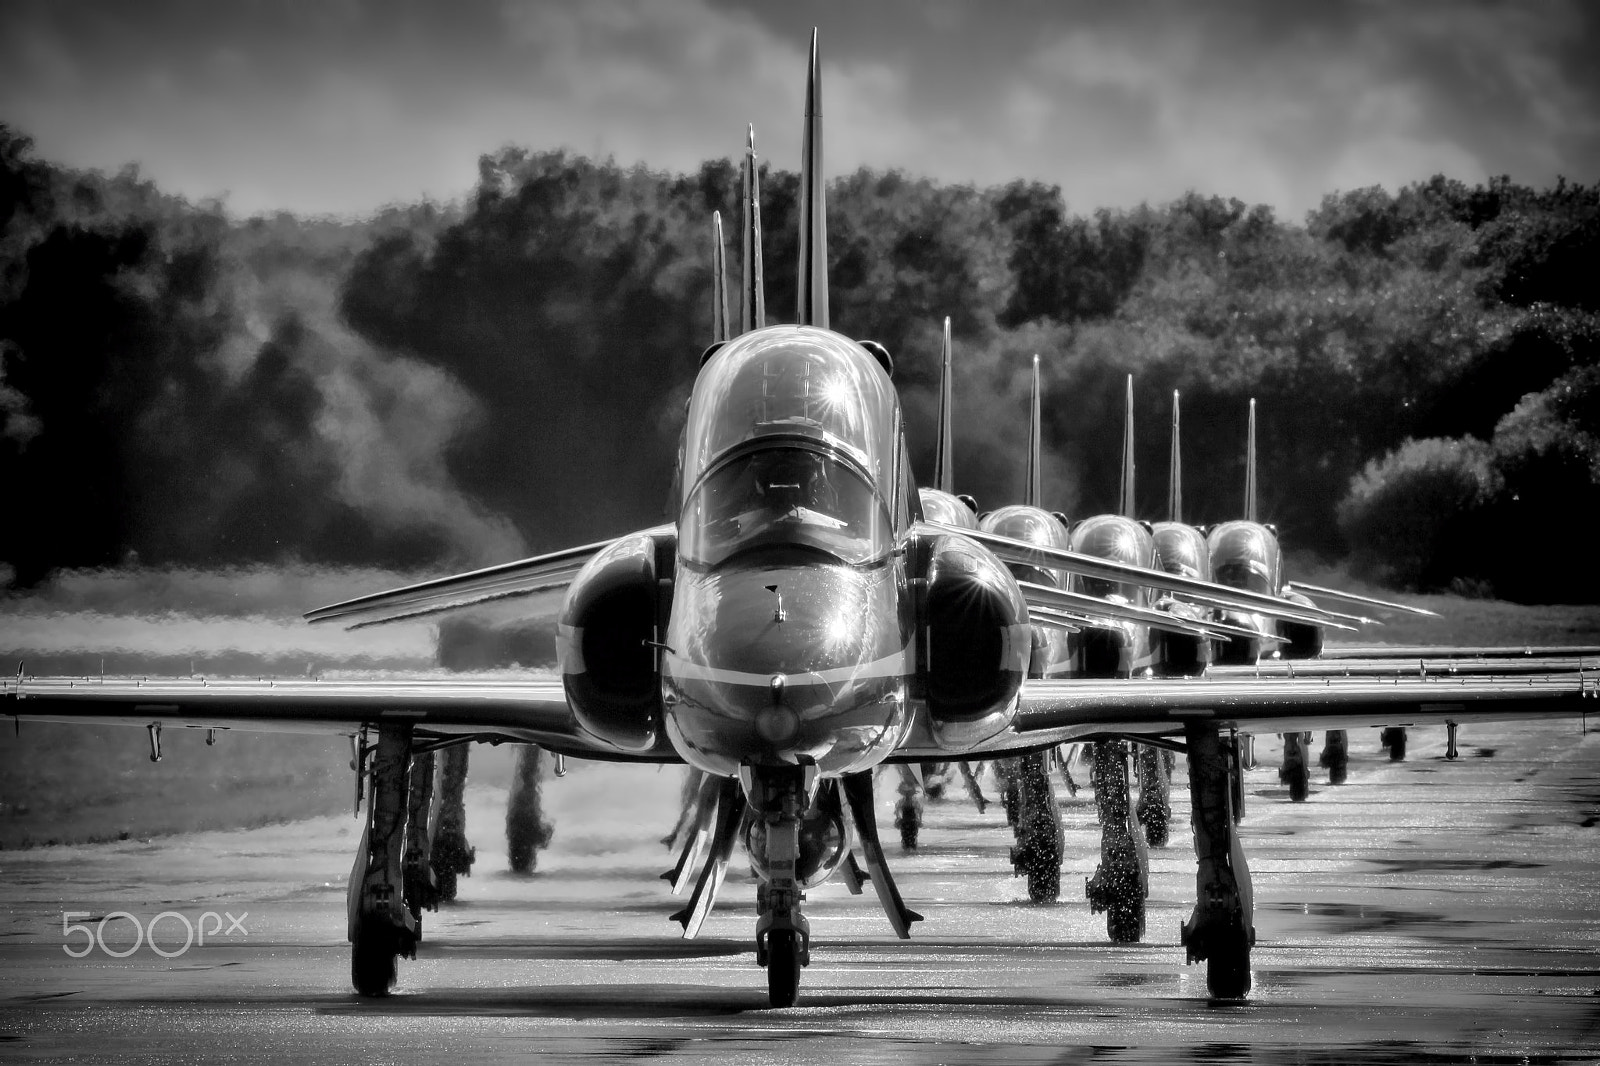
x=450 y=384
x=1414 y=517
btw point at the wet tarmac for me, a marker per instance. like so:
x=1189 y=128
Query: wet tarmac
x=1428 y=911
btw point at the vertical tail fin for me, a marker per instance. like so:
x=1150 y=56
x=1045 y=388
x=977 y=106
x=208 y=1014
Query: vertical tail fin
x=944 y=474
x=1175 y=466
x=1250 y=468
x=752 y=296
x=1033 y=490
x=1126 y=503
x=813 y=285
x=719 y=282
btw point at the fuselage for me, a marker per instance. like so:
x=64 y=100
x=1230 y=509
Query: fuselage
x=791 y=634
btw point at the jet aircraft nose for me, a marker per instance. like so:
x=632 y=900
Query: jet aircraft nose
x=787 y=664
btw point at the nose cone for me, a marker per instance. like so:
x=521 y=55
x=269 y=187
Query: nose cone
x=787 y=664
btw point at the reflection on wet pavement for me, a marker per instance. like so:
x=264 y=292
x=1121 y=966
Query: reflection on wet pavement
x=1405 y=917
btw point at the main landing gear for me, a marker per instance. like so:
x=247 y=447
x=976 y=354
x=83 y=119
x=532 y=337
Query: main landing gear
x=1040 y=841
x=1155 y=793
x=526 y=830
x=383 y=925
x=1122 y=881
x=452 y=856
x=1335 y=757
x=1221 y=931
x=1294 y=771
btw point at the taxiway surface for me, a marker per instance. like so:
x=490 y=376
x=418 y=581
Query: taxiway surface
x=1427 y=911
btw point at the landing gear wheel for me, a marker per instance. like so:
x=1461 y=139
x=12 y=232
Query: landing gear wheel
x=372 y=960
x=1228 y=974
x=447 y=885
x=1125 y=921
x=1395 y=740
x=1044 y=886
x=783 y=967
x=1156 y=831
x=1299 y=784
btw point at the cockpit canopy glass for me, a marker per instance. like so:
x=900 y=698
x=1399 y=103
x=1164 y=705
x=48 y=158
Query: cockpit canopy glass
x=790 y=494
x=788 y=382
x=1116 y=538
x=1181 y=549
x=1244 y=555
x=942 y=507
x=1020 y=522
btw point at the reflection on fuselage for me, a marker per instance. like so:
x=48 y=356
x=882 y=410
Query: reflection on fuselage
x=790 y=633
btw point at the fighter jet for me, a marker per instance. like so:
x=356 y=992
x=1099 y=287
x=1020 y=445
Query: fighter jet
x=798 y=623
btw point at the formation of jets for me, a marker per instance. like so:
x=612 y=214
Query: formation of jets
x=810 y=615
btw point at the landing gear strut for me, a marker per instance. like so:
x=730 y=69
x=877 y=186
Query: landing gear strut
x=526 y=830
x=1037 y=853
x=1294 y=771
x=1122 y=881
x=1221 y=931
x=778 y=799
x=908 y=809
x=1155 y=793
x=1335 y=756
x=382 y=927
x=452 y=857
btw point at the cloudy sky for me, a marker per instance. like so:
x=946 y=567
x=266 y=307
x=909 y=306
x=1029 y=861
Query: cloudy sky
x=343 y=105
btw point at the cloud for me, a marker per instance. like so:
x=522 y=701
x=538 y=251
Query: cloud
x=344 y=107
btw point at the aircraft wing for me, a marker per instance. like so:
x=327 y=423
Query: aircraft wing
x=1058 y=710
x=541 y=573
x=438 y=706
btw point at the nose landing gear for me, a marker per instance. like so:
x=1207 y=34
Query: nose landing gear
x=779 y=797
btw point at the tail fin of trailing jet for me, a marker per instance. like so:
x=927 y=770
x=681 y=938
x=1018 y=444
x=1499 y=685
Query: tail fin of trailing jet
x=1033 y=489
x=944 y=475
x=1175 y=466
x=812 y=307
x=752 y=290
x=720 y=327
x=1126 y=504
x=1250 y=468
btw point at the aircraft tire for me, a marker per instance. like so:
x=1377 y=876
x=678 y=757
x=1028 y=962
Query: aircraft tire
x=1299 y=785
x=908 y=833
x=1397 y=746
x=1228 y=973
x=1156 y=829
x=1125 y=921
x=783 y=967
x=447 y=885
x=1044 y=885
x=373 y=959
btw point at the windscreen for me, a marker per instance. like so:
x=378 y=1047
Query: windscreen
x=1244 y=555
x=788 y=381
x=1120 y=540
x=787 y=493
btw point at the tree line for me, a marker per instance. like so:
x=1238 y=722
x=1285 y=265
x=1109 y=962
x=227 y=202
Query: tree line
x=442 y=385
